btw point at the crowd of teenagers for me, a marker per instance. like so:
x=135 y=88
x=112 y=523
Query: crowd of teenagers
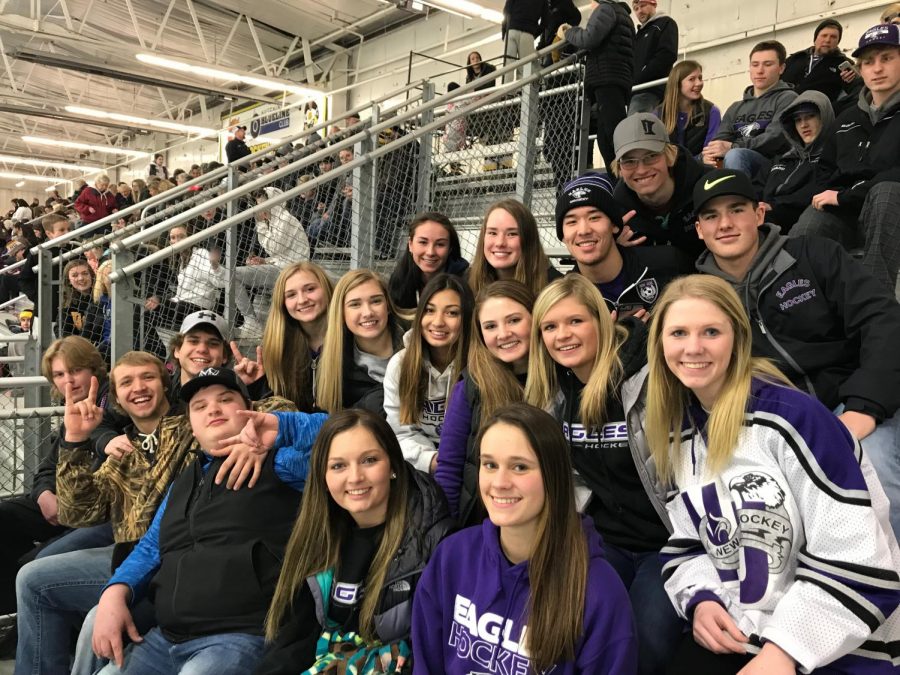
x=681 y=456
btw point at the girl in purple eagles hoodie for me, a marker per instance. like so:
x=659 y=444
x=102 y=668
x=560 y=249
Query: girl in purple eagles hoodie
x=530 y=587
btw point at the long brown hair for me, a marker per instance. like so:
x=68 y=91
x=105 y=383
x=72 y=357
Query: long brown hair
x=285 y=345
x=667 y=396
x=606 y=372
x=558 y=564
x=315 y=543
x=413 y=382
x=68 y=291
x=330 y=387
x=672 y=97
x=531 y=269
x=76 y=352
x=496 y=382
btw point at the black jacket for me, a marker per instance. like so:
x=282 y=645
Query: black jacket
x=655 y=51
x=824 y=76
x=220 y=552
x=486 y=69
x=823 y=319
x=235 y=149
x=608 y=39
x=429 y=522
x=860 y=151
x=524 y=15
x=647 y=271
x=360 y=390
x=791 y=184
x=405 y=292
x=676 y=227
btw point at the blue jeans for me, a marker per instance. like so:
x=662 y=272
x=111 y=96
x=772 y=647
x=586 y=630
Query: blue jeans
x=225 y=654
x=659 y=628
x=88 y=663
x=750 y=162
x=53 y=594
x=79 y=539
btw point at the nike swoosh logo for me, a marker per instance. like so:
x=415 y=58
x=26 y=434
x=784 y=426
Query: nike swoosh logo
x=709 y=186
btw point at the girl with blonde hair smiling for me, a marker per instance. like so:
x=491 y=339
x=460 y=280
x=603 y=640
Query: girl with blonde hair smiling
x=782 y=556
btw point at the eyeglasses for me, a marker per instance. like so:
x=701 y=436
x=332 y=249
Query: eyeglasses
x=646 y=160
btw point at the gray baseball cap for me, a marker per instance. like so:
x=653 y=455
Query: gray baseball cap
x=641 y=131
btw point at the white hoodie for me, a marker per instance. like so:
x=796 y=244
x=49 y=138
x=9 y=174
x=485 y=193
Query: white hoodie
x=419 y=441
x=282 y=236
x=198 y=282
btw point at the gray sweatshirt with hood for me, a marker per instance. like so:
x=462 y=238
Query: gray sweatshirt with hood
x=754 y=122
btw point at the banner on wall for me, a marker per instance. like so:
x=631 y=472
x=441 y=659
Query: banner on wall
x=267 y=124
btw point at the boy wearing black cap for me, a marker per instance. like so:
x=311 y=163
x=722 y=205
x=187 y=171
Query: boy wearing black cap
x=858 y=176
x=815 y=312
x=823 y=67
x=212 y=555
x=630 y=279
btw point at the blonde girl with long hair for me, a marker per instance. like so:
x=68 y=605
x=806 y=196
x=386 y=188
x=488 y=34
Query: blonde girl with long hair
x=782 y=556
x=420 y=376
x=533 y=574
x=509 y=247
x=690 y=120
x=368 y=525
x=590 y=373
x=362 y=335
x=288 y=358
x=495 y=376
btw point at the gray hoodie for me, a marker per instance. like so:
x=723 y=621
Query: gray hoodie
x=754 y=122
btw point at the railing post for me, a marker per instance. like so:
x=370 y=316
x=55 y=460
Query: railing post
x=46 y=289
x=585 y=151
x=363 y=203
x=529 y=119
x=426 y=152
x=231 y=247
x=35 y=430
x=122 y=310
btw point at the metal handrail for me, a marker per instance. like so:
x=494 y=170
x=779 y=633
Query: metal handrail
x=29 y=413
x=494 y=94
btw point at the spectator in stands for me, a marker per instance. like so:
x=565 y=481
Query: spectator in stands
x=78 y=284
x=792 y=180
x=859 y=171
x=591 y=373
x=815 y=312
x=477 y=67
x=56 y=224
x=98 y=319
x=334 y=226
x=158 y=167
x=609 y=41
x=823 y=67
x=755 y=462
x=420 y=377
x=750 y=134
x=181 y=177
x=78 y=184
x=96 y=202
x=303 y=207
x=509 y=247
x=655 y=52
x=21 y=211
x=397 y=183
x=522 y=25
x=207 y=630
x=33 y=518
x=282 y=238
x=891 y=13
x=690 y=120
x=123 y=196
x=236 y=148
x=292 y=341
x=630 y=278
x=495 y=377
x=329 y=188
x=366 y=545
x=200 y=276
x=454 y=137
x=363 y=334
x=657 y=178
x=54 y=196
x=139 y=190
x=432 y=248
x=535 y=561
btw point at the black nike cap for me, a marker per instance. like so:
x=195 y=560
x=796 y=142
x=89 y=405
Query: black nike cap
x=722 y=182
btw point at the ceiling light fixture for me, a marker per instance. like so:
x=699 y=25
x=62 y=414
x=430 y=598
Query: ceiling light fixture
x=20 y=183
x=11 y=159
x=132 y=119
x=108 y=149
x=34 y=177
x=225 y=75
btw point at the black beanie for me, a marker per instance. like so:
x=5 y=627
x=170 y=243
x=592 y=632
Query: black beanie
x=589 y=189
x=830 y=23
